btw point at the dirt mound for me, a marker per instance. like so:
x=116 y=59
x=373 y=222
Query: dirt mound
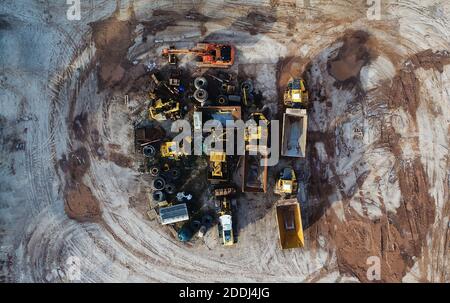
x=81 y=205
x=360 y=238
x=79 y=202
x=112 y=39
x=352 y=56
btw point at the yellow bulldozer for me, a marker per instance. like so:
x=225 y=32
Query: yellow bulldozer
x=287 y=182
x=170 y=150
x=163 y=110
x=296 y=94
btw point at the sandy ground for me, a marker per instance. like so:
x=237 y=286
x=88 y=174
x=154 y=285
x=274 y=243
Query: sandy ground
x=377 y=168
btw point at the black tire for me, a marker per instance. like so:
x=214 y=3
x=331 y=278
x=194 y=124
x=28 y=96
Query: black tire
x=195 y=225
x=247 y=86
x=159 y=183
x=174 y=173
x=200 y=82
x=170 y=188
x=154 y=171
x=158 y=196
x=222 y=100
x=201 y=95
x=149 y=151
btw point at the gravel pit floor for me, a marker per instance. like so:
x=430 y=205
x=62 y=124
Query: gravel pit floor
x=377 y=168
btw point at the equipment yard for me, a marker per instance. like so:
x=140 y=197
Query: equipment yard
x=355 y=104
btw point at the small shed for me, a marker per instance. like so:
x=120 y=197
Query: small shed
x=173 y=214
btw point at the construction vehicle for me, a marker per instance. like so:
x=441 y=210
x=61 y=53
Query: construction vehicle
x=296 y=95
x=254 y=173
x=208 y=54
x=170 y=150
x=290 y=224
x=256 y=135
x=287 y=182
x=293 y=141
x=225 y=226
x=254 y=166
x=160 y=110
x=217 y=168
x=175 y=78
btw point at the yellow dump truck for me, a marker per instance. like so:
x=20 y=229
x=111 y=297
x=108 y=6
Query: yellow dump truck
x=290 y=224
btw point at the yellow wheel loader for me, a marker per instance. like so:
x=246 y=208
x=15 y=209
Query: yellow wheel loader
x=287 y=182
x=296 y=94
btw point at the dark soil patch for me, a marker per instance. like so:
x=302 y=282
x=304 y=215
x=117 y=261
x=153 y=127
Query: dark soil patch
x=112 y=39
x=120 y=159
x=80 y=126
x=77 y=164
x=405 y=88
x=352 y=56
x=81 y=204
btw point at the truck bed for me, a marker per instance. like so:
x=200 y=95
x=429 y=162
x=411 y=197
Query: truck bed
x=294 y=133
x=290 y=224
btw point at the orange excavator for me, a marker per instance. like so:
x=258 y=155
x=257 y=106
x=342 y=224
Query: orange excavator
x=208 y=54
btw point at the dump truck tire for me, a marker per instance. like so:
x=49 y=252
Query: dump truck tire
x=158 y=196
x=154 y=171
x=247 y=86
x=201 y=95
x=195 y=225
x=222 y=100
x=170 y=188
x=149 y=151
x=200 y=82
x=158 y=184
x=174 y=173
